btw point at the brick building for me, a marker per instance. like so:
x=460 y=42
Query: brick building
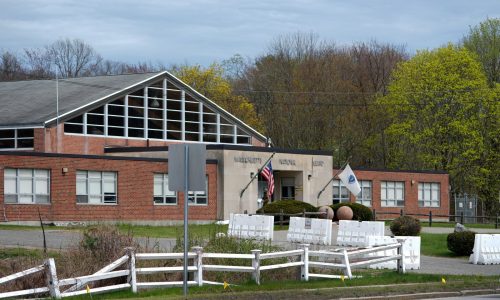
x=96 y=149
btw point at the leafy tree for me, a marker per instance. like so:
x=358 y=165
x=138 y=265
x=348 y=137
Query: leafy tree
x=445 y=117
x=484 y=40
x=211 y=83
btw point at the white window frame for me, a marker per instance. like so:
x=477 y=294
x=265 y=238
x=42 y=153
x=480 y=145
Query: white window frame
x=365 y=196
x=429 y=194
x=389 y=191
x=195 y=197
x=84 y=180
x=173 y=99
x=17 y=138
x=166 y=194
x=36 y=177
x=343 y=191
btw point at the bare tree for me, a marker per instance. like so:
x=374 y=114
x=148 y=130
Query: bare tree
x=38 y=63
x=11 y=67
x=74 y=58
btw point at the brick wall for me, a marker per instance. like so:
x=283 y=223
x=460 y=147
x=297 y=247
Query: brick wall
x=135 y=191
x=45 y=141
x=411 y=181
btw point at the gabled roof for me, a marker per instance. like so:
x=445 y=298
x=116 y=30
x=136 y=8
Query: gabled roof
x=32 y=103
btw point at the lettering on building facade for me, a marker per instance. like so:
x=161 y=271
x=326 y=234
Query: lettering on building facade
x=247 y=160
x=288 y=162
x=318 y=163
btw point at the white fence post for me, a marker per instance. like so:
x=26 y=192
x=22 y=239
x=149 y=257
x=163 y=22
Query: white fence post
x=131 y=265
x=304 y=270
x=347 y=271
x=401 y=259
x=256 y=266
x=198 y=263
x=52 y=281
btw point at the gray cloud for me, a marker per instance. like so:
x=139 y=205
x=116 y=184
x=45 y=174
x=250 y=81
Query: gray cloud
x=201 y=31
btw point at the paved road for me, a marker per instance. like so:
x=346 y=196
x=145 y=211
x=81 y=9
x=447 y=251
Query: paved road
x=64 y=239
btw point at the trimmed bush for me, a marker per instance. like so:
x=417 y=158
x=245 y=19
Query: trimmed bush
x=406 y=226
x=360 y=212
x=461 y=243
x=288 y=207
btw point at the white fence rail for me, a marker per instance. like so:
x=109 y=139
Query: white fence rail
x=343 y=259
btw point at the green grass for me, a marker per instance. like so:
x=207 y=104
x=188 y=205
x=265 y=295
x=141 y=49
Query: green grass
x=435 y=245
x=24 y=252
x=390 y=281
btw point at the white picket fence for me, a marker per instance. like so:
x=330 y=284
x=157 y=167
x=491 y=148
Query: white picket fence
x=343 y=259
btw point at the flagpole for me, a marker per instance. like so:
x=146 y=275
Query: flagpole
x=255 y=176
x=331 y=179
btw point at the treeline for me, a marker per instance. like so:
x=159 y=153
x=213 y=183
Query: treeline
x=67 y=58
x=372 y=103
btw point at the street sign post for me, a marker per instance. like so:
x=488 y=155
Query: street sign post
x=186 y=172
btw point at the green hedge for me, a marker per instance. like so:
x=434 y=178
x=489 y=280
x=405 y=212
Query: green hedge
x=288 y=207
x=461 y=243
x=359 y=211
x=406 y=226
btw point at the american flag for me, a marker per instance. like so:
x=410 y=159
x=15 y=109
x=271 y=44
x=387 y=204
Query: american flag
x=267 y=173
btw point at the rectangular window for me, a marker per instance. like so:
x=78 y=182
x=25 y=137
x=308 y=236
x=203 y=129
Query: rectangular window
x=288 y=188
x=365 y=196
x=429 y=194
x=340 y=192
x=162 y=195
x=392 y=193
x=95 y=187
x=16 y=138
x=26 y=186
x=199 y=197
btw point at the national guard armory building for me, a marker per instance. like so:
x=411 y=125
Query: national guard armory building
x=95 y=149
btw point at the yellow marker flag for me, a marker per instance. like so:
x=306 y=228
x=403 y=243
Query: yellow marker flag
x=226 y=285
x=342 y=278
x=443 y=281
x=88 y=289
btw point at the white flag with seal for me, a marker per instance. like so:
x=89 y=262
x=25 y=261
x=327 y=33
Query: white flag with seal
x=350 y=181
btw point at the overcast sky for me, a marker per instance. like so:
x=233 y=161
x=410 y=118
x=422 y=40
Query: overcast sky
x=201 y=31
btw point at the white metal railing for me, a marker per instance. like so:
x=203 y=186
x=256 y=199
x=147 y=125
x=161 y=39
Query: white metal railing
x=343 y=259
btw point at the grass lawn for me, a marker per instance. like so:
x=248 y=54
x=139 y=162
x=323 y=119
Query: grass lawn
x=372 y=283
x=24 y=252
x=435 y=245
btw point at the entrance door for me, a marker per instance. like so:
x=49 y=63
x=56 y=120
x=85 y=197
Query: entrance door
x=288 y=188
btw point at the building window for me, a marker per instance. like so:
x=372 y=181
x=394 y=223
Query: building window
x=16 y=138
x=26 y=186
x=161 y=111
x=162 y=195
x=288 y=188
x=392 y=193
x=340 y=192
x=94 y=187
x=199 y=197
x=428 y=194
x=365 y=196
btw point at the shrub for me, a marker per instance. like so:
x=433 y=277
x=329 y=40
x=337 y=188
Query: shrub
x=288 y=207
x=461 y=243
x=406 y=226
x=360 y=212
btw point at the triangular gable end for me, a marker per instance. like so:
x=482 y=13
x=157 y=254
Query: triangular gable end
x=162 y=109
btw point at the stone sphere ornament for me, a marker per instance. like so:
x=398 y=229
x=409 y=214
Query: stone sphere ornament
x=327 y=212
x=344 y=213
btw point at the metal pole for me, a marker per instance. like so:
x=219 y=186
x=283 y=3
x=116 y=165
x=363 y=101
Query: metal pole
x=186 y=237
